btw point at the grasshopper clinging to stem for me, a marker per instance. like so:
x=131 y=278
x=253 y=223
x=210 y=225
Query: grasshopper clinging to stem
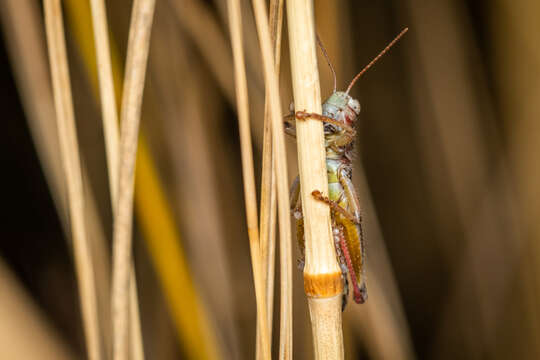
x=339 y=115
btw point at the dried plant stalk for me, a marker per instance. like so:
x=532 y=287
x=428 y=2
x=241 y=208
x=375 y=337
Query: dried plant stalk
x=69 y=150
x=137 y=56
x=106 y=91
x=235 y=22
x=278 y=142
x=322 y=275
x=112 y=148
x=268 y=178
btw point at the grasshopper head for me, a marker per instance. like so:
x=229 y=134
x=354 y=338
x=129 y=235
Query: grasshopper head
x=341 y=106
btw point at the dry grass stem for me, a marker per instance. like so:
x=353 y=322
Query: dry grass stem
x=137 y=56
x=278 y=143
x=135 y=331
x=112 y=148
x=106 y=92
x=268 y=178
x=235 y=23
x=325 y=313
x=322 y=275
x=72 y=167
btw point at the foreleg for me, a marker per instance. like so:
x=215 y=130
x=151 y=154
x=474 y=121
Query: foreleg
x=349 y=132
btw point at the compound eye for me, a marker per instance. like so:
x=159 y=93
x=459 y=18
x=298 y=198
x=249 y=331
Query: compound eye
x=355 y=105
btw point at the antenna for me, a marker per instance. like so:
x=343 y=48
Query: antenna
x=327 y=60
x=376 y=58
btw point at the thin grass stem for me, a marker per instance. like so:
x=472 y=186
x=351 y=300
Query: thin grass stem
x=70 y=158
x=112 y=149
x=278 y=142
x=268 y=178
x=235 y=22
x=106 y=91
x=137 y=57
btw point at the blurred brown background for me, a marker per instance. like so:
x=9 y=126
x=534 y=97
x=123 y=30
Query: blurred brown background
x=447 y=171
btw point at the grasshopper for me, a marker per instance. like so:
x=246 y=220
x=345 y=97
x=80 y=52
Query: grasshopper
x=339 y=115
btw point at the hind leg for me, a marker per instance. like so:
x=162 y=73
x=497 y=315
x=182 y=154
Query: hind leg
x=354 y=205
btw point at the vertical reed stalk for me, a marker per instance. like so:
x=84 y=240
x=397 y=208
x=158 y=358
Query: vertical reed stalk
x=106 y=92
x=322 y=275
x=137 y=57
x=278 y=142
x=69 y=150
x=268 y=178
x=235 y=21
x=112 y=148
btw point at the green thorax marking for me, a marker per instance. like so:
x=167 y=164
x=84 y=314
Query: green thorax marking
x=338 y=99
